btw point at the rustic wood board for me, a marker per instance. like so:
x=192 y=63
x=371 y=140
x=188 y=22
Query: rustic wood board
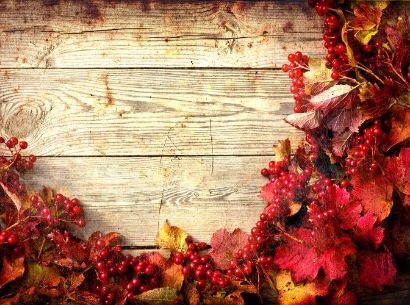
x=75 y=112
x=190 y=34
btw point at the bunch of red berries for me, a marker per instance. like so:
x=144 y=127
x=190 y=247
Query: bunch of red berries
x=298 y=64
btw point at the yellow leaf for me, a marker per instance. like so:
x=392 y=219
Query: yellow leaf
x=305 y=293
x=294 y=207
x=349 y=51
x=364 y=36
x=158 y=296
x=172 y=238
x=282 y=150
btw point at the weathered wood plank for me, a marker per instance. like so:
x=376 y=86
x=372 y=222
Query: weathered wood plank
x=155 y=34
x=133 y=195
x=75 y=112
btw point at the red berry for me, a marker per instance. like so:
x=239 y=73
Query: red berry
x=265 y=172
x=23 y=145
x=12 y=239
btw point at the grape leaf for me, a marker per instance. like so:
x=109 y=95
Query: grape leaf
x=300 y=294
x=366 y=232
x=11 y=269
x=397 y=170
x=321 y=248
x=374 y=193
x=158 y=296
x=172 y=238
x=367 y=19
x=305 y=121
x=377 y=269
x=334 y=97
x=225 y=245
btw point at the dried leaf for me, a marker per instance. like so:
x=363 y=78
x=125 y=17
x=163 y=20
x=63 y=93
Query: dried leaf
x=344 y=119
x=318 y=78
x=13 y=196
x=341 y=143
x=225 y=245
x=282 y=149
x=172 y=238
x=11 y=269
x=234 y=298
x=334 y=97
x=367 y=19
x=306 y=121
x=301 y=294
x=158 y=296
x=172 y=277
x=349 y=51
x=191 y=294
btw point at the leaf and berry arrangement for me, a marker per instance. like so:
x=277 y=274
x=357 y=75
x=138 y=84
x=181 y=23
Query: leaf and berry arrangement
x=337 y=217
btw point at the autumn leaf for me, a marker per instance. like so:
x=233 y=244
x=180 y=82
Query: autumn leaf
x=377 y=269
x=318 y=77
x=349 y=51
x=11 y=269
x=225 y=245
x=172 y=238
x=299 y=294
x=367 y=20
x=400 y=127
x=334 y=97
x=306 y=120
x=172 y=276
x=366 y=232
x=282 y=150
x=397 y=170
x=374 y=193
x=344 y=119
x=191 y=294
x=158 y=296
x=13 y=196
x=342 y=142
x=321 y=248
x=234 y=298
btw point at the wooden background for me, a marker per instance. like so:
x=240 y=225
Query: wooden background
x=155 y=110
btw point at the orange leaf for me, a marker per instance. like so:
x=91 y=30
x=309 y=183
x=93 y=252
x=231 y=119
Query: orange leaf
x=400 y=127
x=172 y=277
x=291 y=294
x=374 y=193
x=11 y=270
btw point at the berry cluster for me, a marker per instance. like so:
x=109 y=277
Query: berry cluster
x=298 y=64
x=7 y=237
x=199 y=267
x=19 y=162
x=364 y=149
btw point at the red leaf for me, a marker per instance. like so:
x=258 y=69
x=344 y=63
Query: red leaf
x=397 y=170
x=344 y=119
x=318 y=249
x=11 y=269
x=305 y=121
x=225 y=245
x=377 y=269
x=365 y=231
x=341 y=143
x=337 y=96
x=374 y=193
x=400 y=127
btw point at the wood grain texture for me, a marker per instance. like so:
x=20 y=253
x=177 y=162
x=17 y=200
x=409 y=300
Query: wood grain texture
x=115 y=34
x=134 y=195
x=78 y=112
